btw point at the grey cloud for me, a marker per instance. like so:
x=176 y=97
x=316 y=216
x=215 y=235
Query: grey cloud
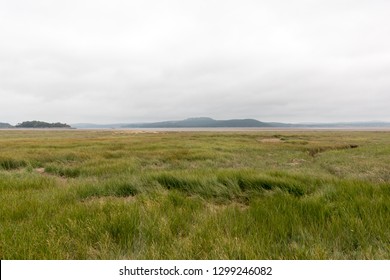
x=127 y=61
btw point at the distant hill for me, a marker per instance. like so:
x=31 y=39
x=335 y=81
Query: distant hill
x=5 y=125
x=39 y=124
x=200 y=122
x=205 y=122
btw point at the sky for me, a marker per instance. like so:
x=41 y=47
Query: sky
x=124 y=61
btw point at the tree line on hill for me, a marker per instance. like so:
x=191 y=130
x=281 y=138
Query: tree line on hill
x=35 y=124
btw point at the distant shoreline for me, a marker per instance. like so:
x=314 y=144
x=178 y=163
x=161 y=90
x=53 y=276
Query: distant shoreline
x=239 y=129
x=38 y=128
x=208 y=129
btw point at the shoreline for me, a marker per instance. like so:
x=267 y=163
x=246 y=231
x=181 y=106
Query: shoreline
x=208 y=129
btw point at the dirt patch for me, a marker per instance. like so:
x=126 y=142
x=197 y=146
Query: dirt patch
x=297 y=161
x=317 y=150
x=40 y=170
x=214 y=207
x=270 y=140
x=43 y=172
x=124 y=132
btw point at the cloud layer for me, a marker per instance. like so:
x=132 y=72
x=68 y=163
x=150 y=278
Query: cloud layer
x=131 y=61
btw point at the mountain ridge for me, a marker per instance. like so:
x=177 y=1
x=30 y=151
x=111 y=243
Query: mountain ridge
x=200 y=122
x=206 y=122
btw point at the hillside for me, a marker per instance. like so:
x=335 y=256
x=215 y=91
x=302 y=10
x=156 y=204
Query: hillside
x=200 y=122
x=205 y=122
x=39 y=124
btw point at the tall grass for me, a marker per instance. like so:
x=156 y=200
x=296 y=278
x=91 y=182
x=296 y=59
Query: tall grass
x=110 y=195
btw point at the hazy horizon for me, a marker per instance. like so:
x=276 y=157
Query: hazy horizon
x=146 y=61
x=169 y=120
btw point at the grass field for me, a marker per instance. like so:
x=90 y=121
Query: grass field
x=194 y=195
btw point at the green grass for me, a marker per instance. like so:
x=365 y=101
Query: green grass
x=194 y=195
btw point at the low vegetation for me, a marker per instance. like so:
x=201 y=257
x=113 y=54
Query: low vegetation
x=194 y=195
x=39 y=124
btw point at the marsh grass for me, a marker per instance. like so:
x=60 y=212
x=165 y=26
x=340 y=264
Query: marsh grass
x=110 y=195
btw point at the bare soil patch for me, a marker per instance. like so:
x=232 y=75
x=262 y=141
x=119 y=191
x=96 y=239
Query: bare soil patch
x=43 y=172
x=124 y=132
x=270 y=140
x=40 y=170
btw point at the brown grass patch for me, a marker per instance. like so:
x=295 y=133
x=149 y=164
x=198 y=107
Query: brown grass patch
x=270 y=140
x=124 y=132
x=104 y=199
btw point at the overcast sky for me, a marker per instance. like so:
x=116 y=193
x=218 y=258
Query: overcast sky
x=108 y=61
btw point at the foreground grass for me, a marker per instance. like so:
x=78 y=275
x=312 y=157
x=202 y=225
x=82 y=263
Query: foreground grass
x=257 y=195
